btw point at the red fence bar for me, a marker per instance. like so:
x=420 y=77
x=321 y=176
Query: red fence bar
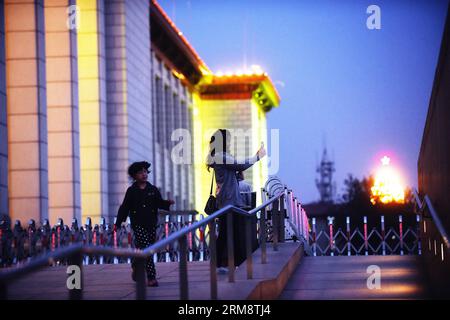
x=116 y=261
x=293 y=209
x=130 y=242
x=366 y=244
x=300 y=218
x=349 y=245
x=383 y=236
x=301 y=221
x=202 y=240
x=58 y=232
x=306 y=223
x=53 y=241
x=166 y=232
x=400 y=222
x=330 y=226
x=190 y=239
x=314 y=245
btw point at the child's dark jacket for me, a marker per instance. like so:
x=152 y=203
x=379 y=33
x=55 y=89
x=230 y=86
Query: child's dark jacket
x=142 y=206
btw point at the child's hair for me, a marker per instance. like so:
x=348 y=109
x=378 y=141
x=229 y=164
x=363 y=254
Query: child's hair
x=135 y=167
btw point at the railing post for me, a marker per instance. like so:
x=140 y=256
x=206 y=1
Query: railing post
x=140 y=278
x=262 y=228
x=419 y=241
x=77 y=260
x=293 y=210
x=400 y=222
x=230 y=245
x=191 y=255
x=166 y=232
x=297 y=214
x=306 y=224
x=179 y=226
x=287 y=207
x=201 y=240
x=281 y=217
x=330 y=226
x=314 y=244
x=248 y=241
x=213 y=259
x=275 y=225
x=262 y=235
x=184 y=290
x=349 y=245
x=299 y=218
x=366 y=243
x=115 y=259
x=383 y=236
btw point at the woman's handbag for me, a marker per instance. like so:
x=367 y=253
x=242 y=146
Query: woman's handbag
x=211 y=204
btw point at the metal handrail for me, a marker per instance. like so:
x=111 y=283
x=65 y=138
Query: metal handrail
x=426 y=203
x=75 y=253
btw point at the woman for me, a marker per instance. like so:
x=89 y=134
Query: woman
x=141 y=203
x=227 y=190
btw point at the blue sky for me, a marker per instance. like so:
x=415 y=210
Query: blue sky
x=364 y=93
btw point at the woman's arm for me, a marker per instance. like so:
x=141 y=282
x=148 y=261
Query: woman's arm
x=231 y=163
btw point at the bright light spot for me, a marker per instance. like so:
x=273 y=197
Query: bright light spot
x=385 y=161
x=387 y=186
x=252 y=71
x=256 y=69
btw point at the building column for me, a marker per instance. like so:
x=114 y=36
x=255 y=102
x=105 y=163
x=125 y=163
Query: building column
x=168 y=121
x=191 y=167
x=128 y=73
x=62 y=112
x=159 y=174
x=184 y=188
x=92 y=110
x=26 y=109
x=3 y=121
x=176 y=168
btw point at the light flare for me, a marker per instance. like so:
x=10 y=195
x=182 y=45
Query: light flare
x=387 y=187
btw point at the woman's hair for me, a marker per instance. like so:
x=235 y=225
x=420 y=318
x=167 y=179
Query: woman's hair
x=215 y=145
x=135 y=167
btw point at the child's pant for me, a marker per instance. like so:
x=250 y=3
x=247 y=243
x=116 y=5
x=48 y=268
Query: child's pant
x=144 y=238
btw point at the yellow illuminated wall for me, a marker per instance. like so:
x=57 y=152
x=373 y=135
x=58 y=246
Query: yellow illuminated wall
x=210 y=115
x=62 y=114
x=92 y=106
x=259 y=128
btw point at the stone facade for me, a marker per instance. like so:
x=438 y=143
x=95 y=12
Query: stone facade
x=89 y=86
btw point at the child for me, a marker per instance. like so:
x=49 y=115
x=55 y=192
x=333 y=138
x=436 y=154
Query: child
x=141 y=203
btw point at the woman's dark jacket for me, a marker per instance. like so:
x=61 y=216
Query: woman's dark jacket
x=142 y=206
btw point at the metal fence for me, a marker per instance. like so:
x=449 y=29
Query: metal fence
x=19 y=244
x=366 y=240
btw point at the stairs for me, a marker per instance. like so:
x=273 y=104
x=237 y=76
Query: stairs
x=343 y=278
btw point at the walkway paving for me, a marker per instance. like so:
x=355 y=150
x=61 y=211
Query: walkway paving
x=113 y=282
x=345 y=277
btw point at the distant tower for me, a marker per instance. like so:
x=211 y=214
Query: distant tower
x=325 y=183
